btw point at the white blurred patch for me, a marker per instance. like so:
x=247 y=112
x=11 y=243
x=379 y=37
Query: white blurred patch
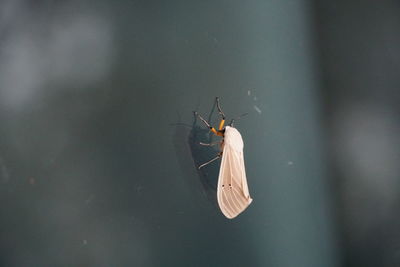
x=257 y=109
x=80 y=49
x=366 y=148
x=69 y=51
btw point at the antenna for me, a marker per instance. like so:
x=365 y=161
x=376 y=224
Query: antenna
x=237 y=118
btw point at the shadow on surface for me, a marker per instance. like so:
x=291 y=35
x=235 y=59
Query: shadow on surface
x=191 y=154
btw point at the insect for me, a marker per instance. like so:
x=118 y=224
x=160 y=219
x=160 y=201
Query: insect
x=232 y=190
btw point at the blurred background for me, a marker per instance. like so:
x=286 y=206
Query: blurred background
x=99 y=145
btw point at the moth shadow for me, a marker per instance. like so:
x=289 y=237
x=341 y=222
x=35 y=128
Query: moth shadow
x=191 y=155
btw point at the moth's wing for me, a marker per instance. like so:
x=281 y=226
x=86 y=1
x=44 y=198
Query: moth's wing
x=232 y=192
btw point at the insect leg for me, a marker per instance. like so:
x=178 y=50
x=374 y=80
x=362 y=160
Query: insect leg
x=219 y=108
x=203 y=120
x=221 y=124
x=212 y=129
x=210 y=144
x=208 y=162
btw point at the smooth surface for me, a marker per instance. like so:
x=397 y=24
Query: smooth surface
x=360 y=60
x=98 y=141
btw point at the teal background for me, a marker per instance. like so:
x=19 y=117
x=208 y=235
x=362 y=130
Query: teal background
x=99 y=144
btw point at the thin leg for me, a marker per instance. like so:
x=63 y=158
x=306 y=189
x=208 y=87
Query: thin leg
x=210 y=144
x=203 y=120
x=212 y=129
x=208 y=162
x=219 y=109
x=221 y=124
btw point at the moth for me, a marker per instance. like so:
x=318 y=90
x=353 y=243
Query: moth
x=232 y=189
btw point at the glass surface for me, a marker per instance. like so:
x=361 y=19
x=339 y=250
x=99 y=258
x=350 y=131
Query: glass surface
x=99 y=144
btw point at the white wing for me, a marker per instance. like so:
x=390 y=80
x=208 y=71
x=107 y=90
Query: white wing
x=233 y=192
